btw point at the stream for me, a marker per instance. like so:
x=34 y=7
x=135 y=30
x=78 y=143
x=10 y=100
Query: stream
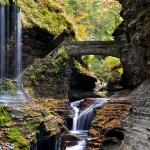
x=82 y=122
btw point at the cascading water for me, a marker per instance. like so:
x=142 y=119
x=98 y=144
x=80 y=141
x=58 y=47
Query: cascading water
x=86 y=116
x=11 y=54
x=75 y=105
x=18 y=46
x=2 y=42
x=82 y=121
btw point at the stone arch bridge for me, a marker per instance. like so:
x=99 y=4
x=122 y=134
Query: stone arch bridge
x=62 y=79
x=104 y=48
x=73 y=49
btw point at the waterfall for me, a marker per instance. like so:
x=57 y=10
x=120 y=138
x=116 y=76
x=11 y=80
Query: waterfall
x=82 y=120
x=12 y=23
x=75 y=105
x=18 y=46
x=2 y=42
x=11 y=53
x=81 y=145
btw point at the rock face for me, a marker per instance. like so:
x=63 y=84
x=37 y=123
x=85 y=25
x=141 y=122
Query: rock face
x=48 y=77
x=37 y=43
x=134 y=34
x=82 y=84
x=137 y=123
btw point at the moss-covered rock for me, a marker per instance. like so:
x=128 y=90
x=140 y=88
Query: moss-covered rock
x=4 y=117
x=23 y=124
x=41 y=15
x=48 y=77
x=17 y=138
x=8 y=87
x=45 y=16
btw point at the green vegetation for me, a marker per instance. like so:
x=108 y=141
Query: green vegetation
x=17 y=138
x=108 y=69
x=54 y=66
x=80 y=68
x=8 y=87
x=42 y=16
x=4 y=2
x=88 y=19
x=4 y=117
x=109 y=19
x=47 y=74
x=93 y=19
x=57 y=63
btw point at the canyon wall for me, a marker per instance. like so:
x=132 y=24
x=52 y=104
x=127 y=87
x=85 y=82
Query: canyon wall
x=134 y=33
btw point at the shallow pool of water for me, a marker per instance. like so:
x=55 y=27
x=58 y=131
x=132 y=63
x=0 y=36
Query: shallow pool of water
x=81 y=143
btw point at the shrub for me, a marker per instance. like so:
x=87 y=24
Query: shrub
x=4 y=117
x=106 y=69
x=16 y=137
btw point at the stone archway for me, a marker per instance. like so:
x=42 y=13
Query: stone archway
x=84 y=84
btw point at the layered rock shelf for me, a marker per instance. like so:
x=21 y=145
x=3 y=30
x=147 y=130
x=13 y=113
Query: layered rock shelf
x=137 y=122
x=25 y=126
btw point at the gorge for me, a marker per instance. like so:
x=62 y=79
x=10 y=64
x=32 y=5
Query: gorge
x=43 y=74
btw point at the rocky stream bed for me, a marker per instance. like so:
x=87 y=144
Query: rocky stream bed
x=43 y=124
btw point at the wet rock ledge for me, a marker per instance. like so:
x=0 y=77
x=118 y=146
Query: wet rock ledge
x=29 y=126
x=137 y=122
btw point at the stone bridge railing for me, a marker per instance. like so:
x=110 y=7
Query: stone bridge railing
x=104 y=48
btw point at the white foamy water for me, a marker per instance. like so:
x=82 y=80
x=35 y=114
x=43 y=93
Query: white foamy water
x=18 y=46
x=82 y=121
x=74 y=106
x=2 y=41
x=19 y=97
x=81 y=145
